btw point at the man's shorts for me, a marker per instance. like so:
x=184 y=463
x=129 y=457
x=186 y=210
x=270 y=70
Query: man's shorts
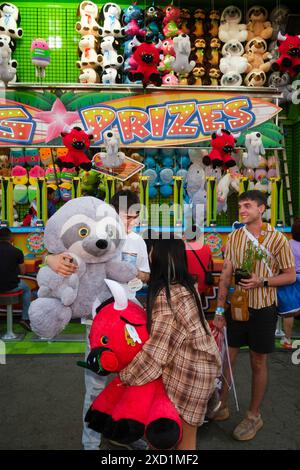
x=258 y=332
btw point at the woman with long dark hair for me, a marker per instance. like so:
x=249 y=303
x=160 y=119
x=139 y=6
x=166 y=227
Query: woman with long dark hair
x=181 y=348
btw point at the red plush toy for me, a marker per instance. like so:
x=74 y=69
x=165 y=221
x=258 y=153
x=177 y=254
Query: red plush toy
x=146 y=56
x=76 y=141
x=222 y=147
x=122 y=412
x=289 y=60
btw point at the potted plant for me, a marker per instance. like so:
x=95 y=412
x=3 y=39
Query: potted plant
x=252 y=254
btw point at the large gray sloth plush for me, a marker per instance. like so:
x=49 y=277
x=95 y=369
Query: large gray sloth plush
x=91 y=231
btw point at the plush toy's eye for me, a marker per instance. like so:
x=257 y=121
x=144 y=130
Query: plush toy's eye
x=104 y=340
x=151 y=10
x=74 y=140
x=83 y=232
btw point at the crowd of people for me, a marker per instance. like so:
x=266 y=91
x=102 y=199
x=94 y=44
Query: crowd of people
x=181 y=348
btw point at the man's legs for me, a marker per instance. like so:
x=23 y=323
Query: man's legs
x=259 y=380
x=26 y=299
x=94 y=384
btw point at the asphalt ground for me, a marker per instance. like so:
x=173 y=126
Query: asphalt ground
x=41 y=402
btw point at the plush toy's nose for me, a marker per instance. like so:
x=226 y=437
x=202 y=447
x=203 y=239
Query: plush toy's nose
x=109 y=361
x=102 y=244
x=94 y=362
x=1 y=44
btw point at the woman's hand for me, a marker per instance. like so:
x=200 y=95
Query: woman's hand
x=62 y=264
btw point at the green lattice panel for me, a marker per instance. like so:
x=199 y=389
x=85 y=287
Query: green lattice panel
x=72 y=44
x=25 y=70
x=292 y=140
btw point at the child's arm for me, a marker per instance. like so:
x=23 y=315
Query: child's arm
x=159 y=350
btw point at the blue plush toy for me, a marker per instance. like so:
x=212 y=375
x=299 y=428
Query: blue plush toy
x=150 y=163
x=184 y=161
x=133 y=12
x=153 y=180
x=166 y=182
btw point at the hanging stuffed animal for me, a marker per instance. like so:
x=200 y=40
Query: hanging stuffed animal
x=146 y=57
x=133 y=19
x=153 y=22
x=7 y=65
x=88 y=46
x=118 y=333
x=112 y=157
x=230 y=27
x=89 y=75
x=281 y=81
x=88 y=23
x=111 y=58
x=110 y=16
x=197 y=75
x=232 y=61
x=76 y=141
x=213 y=54
x=9 y=20
x=213 y=23
x=255 y=149
x=289 y=60
x=185 y=20
x=279 y=18
x=40 y=56
x=198 y=29
x=255 y=78
x=222 y=147
x=110 y=76
x=199 y=51
x=258 y=26
x=181 y=63
x=171 y=21
x=168 y=51
x=213 y=75
x=257 y=55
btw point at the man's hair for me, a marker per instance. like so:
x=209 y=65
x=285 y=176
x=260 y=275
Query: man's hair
x=5 y=234
x=296 y=230
x=254 y=195
x=119 y=199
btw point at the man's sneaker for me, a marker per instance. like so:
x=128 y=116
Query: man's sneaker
x=25 y=324
x=222 y=414
x=108 y=444
x=248 y=428
x=286 y=343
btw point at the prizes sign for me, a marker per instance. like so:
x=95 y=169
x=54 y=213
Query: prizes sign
x=164 y=118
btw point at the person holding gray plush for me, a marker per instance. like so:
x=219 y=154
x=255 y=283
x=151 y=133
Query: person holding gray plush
x=134 y=252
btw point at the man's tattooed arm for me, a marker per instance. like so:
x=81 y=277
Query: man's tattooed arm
x=224 y=283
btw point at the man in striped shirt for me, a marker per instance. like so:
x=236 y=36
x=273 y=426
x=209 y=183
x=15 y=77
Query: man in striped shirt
x=276 y=268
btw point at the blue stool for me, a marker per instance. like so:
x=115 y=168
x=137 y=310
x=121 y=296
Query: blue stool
x=9 y=299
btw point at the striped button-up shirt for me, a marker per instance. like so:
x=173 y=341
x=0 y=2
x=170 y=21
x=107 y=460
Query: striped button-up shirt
x=281 y=258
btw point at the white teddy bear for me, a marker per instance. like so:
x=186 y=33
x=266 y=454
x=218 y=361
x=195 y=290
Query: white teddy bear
x=230 y=27
x=9 y=20
x=111 y=58
x=88 y=19
x=89 y=57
